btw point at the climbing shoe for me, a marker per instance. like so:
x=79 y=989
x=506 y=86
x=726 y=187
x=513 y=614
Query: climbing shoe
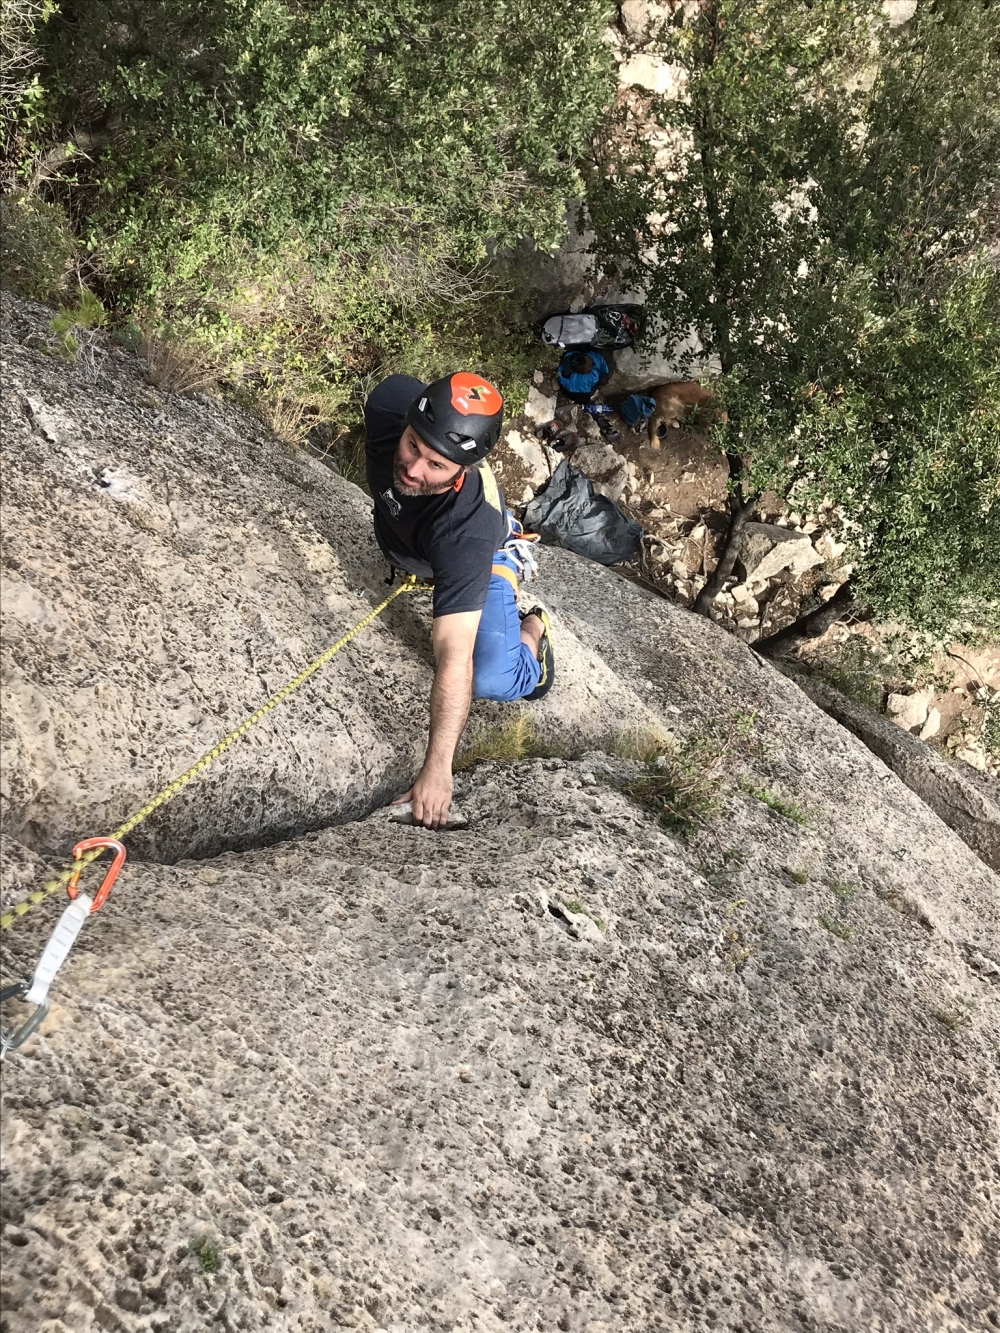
x=544 y=654
x=558 y=436
x=549 y=430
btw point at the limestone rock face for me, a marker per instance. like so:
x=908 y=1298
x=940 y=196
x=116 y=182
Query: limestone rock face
x=556 y=1069
x=168 y=566
x=532 y=455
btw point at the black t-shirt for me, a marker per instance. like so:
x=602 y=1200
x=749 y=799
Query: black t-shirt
x=450 y=538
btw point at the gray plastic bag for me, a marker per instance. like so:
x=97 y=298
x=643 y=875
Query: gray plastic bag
x=568 y=513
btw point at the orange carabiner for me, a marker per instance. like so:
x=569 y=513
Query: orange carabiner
x=109 y=878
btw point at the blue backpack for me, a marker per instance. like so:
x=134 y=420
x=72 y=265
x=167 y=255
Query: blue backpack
x=637 y=407
x=580 y=373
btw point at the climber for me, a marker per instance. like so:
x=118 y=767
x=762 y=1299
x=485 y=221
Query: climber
x=439 y=514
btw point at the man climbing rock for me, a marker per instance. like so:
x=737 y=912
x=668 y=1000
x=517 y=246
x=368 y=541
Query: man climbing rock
x=439 y=514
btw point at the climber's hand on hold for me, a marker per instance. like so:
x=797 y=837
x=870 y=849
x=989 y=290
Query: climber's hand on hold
x=430 y=797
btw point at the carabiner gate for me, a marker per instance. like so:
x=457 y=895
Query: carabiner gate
x=87 y=845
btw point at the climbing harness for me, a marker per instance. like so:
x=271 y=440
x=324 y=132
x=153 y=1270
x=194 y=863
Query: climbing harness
x=67 y=928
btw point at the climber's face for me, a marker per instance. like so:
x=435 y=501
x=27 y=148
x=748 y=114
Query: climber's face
x=418 y=469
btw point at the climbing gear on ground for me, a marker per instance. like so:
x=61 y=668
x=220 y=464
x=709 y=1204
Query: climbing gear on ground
x=545 y=656
x=558 y=436
x=580 y=374
x=70 y=923
x=548 y=430
x=568 y=513
x=636 y=409
x=459 y=416
x=602 y=326
x=601 y=412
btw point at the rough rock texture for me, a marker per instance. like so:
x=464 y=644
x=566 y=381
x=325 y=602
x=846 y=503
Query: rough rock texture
x=553 y=1071
x=167 y=566
x=969 y=807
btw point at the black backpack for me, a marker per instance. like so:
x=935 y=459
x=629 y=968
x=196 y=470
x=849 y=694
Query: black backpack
x=603 y=326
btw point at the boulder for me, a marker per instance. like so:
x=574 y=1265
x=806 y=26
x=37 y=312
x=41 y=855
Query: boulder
x=932 y=726
x=540 y=407
x=899 y=11
x=611 y=473
x=768 y=549
x=656 y=76
x=531 y=453
x=909 y=711
x=829 y=549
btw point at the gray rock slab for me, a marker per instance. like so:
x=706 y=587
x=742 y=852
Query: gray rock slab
x=968 y=806
x=552 y=1070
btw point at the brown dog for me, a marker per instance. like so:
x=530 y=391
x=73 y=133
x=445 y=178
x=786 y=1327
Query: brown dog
x=683 y=401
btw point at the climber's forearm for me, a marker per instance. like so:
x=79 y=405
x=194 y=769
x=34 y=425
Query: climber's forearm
x=454 y=638
x=451 y=695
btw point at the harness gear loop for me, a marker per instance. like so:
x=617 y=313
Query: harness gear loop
x=109 y=878
x=409 y=584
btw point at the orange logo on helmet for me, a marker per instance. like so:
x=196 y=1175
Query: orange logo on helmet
x=473 y=396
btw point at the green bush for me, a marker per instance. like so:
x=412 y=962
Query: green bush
x=316 y=193
x=38 y=248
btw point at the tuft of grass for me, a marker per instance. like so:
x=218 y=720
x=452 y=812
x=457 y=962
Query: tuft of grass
x=173 y=365
x=578 y=908
x=287 y=418
x=734 y=944
x=839 y=928
x=683 y=785
x=208 y=1255
x=953 y=1018
x=644 y=744
x=787 y=809
x=511 y=740
x=845 y=892
x=70 y=321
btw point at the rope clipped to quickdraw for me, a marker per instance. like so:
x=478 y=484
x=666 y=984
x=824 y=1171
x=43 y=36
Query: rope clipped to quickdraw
x=73 y=917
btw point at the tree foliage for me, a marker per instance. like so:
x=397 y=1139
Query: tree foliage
x=297 y=177
x=823 y=221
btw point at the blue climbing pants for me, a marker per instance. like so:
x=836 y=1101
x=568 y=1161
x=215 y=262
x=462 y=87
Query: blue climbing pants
x=503 y=668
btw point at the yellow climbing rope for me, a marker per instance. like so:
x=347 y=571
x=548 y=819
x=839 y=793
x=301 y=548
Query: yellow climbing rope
x=409 y=584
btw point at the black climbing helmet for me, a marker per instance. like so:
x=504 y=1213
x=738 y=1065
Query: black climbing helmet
x=459 y=416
